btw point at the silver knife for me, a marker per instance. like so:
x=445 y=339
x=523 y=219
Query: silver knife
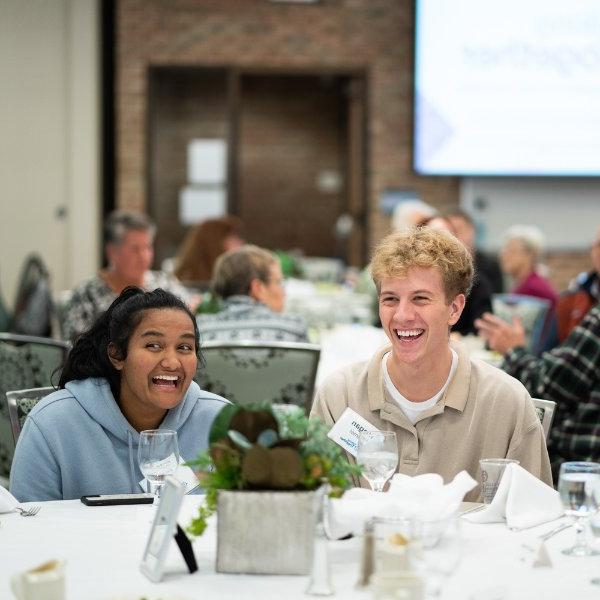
x=561 y=527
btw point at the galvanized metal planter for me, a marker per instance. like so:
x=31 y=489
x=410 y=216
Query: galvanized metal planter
x=266 y=532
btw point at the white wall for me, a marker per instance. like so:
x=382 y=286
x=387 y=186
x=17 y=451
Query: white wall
x=49 y=138
x=566 y=210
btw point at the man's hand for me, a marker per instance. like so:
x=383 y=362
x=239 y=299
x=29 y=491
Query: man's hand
x=500 y=335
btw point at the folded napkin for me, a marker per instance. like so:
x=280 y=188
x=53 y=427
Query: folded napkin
x=521 y=500
x=424 y=497
x=7 y=501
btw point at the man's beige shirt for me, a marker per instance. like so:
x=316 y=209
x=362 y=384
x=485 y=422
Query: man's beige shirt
x=484 y=413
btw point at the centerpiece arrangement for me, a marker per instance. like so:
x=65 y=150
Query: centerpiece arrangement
x=261 y=474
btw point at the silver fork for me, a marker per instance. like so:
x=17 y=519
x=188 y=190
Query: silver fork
x=28 y=512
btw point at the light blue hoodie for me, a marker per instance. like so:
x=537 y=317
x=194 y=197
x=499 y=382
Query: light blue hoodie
x=77 y=442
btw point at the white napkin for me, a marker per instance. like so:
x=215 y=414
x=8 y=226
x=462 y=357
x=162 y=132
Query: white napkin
x=7 y=501
x=423 y=496
x=522 y=500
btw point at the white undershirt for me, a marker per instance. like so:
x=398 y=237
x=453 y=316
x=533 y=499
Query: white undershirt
x=413 y=410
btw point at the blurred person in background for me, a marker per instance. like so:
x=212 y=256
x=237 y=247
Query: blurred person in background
x=479 y=299
x=202 y=246
x=569 y=374
x=520 y=257
x=129 y=248
x=411 y=213
x=583 y=293
x=486 y=265
x=249 y=283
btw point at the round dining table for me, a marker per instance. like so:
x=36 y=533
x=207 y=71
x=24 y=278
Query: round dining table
x=103 y=546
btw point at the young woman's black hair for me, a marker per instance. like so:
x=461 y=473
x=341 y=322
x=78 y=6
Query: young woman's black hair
x=89 y=355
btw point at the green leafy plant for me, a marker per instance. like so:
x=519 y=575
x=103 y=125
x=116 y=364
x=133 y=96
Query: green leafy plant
x=261 y=447
x=209 y=304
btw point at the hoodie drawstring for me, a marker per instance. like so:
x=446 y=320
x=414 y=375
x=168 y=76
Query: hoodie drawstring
x=131 y=462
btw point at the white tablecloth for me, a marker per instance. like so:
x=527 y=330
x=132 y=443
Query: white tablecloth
x=103 y=547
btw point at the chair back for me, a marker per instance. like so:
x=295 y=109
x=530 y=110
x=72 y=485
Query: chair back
x=25 y=362
x=545 y=410
x=246 y=371
x=5 y=317
x=34 y=307
x=20 y=403
x=531 y=310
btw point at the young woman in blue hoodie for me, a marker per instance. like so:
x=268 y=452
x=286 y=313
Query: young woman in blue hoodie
x=132 y=370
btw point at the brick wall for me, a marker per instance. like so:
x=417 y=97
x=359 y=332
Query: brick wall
x=371 y=35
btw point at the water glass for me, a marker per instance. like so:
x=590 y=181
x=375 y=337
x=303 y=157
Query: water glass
x=492 y=470
x=377 y=454
x=414 y=557
x=595 y=523
x=575 y=485
x=395 y=555
x=158 y=457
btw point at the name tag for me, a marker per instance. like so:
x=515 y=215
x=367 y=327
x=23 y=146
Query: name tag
x=346 y=430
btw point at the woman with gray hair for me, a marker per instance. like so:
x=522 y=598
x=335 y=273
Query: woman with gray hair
x=520 y=259
x=129 y=248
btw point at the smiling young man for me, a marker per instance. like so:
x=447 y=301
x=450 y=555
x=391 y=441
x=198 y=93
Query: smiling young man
x=448 y=411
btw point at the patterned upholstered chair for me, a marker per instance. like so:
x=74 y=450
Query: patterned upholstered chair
x=243 y=372
x=20 y=403
x=25 y=362
x=545 y=410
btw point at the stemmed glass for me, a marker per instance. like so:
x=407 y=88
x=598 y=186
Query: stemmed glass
x=158 y=457
x=595 y=521
x=575 y=484
x=377 y=454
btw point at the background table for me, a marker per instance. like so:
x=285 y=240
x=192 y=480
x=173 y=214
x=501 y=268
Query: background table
x=103 y=547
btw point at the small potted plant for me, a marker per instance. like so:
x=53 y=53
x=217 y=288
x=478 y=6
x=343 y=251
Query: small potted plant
x=261 y=474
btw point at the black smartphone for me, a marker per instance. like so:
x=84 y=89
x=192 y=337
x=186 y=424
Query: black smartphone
x=114 y=499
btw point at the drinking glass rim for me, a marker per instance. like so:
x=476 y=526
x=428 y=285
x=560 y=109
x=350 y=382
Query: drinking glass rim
x=502 y=461
x=581 y=464
x=376 y=432
x=151 y=432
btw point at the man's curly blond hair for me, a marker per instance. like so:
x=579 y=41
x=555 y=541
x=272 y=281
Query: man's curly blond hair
x=422 y=247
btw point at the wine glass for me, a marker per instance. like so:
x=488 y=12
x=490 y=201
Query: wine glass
x=575 y=484
x=158 y=457
x=595 y=521
x=377 y=454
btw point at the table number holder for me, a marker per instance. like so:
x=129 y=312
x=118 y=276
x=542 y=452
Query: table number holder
x=164 y=527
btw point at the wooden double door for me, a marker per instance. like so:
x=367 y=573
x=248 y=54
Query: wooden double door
x=296 y=154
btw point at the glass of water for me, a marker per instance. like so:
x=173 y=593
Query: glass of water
x=158 y=457
x=377 y=454
x=575 y=485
